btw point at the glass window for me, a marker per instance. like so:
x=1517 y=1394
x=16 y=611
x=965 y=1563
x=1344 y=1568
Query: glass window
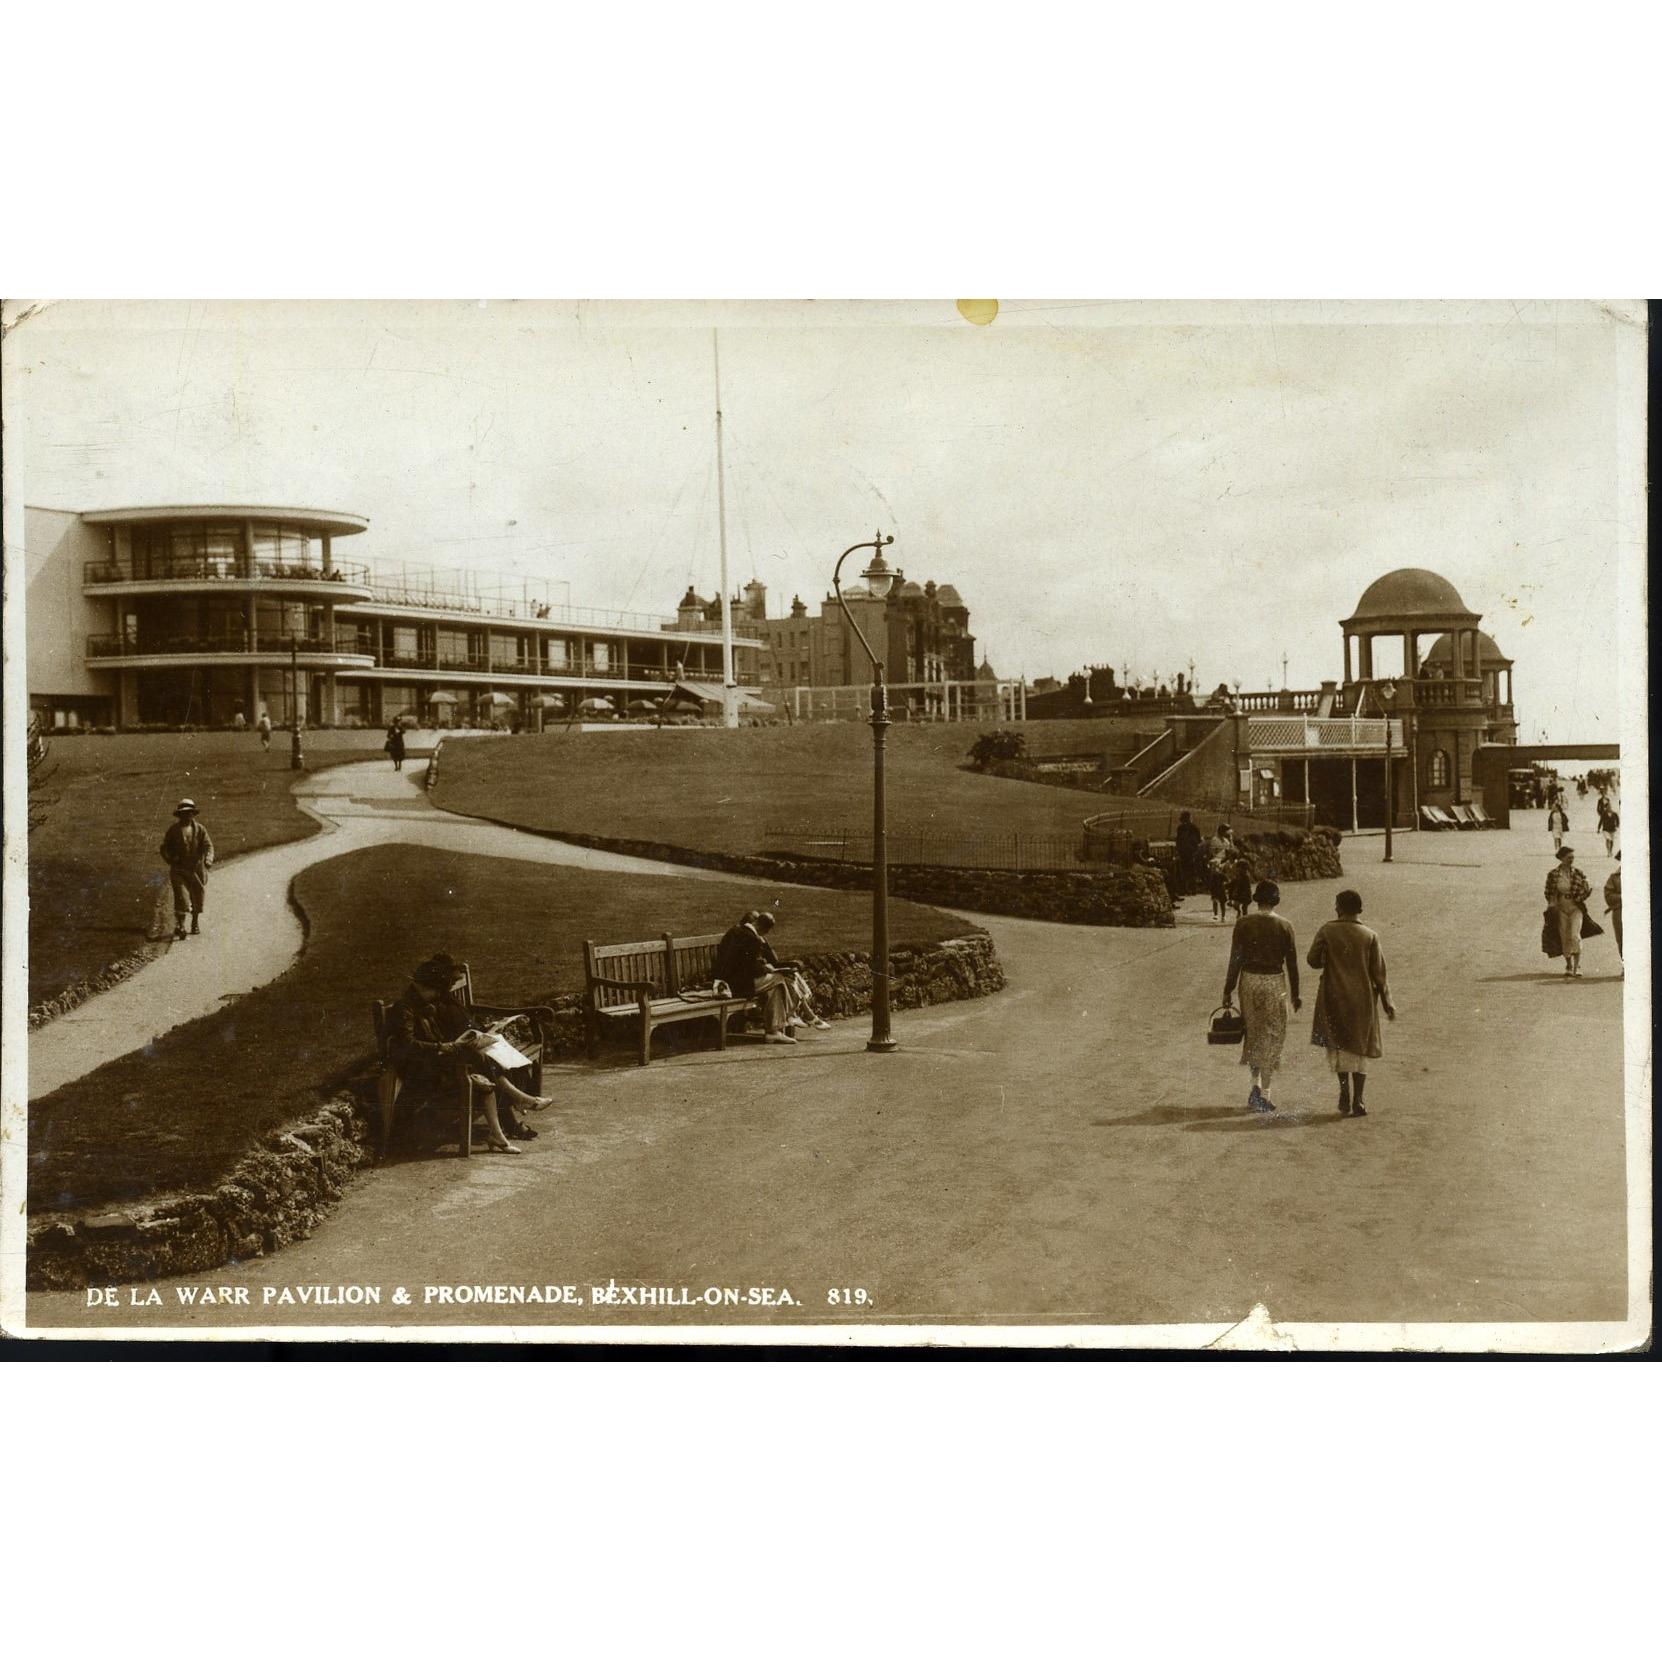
x=453 y=646
x=1437 y=777
x=559 y=652
x=507 y=651
x=602 y=656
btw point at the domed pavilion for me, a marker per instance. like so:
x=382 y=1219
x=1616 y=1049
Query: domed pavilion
x=1452 y=698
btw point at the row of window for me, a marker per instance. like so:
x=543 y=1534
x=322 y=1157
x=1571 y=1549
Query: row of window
x=167 y=550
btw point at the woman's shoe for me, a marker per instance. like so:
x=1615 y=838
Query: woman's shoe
x=504 y=1148
x=1257 y=1102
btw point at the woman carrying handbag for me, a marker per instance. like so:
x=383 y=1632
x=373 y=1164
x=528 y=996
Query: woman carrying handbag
x=1263 y=961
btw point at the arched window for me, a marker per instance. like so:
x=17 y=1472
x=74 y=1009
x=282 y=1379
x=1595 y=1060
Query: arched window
x=1437 y=778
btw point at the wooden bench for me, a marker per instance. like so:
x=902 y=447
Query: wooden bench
x=532 y=1024
x=654 y=984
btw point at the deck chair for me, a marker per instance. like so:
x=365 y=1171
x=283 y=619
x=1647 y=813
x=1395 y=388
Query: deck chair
x=1429 y=819
x=1481 y=818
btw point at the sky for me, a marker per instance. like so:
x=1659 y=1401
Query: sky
x=1138 y=485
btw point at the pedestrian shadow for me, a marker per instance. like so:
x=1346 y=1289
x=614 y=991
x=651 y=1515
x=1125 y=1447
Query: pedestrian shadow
x=1212 y=1117
x=1177 y=1113
x=1544 y=976
x=1286 y=1119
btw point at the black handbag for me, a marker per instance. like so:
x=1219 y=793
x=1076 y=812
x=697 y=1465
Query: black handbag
x=1227 y=1026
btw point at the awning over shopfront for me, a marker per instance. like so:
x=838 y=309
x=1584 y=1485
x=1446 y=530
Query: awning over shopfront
x=709 y=692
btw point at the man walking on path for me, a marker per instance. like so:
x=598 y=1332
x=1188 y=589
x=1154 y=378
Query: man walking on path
x=264 y=726
x=189 y=851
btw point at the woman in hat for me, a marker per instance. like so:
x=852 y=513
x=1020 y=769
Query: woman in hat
x=1566 y=892
x=428 y=1062
x=454 y=1019
x=189 y=851
x=1346 y=1023
x=1263 y=959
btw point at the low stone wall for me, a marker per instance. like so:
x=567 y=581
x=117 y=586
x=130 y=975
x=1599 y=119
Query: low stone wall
x=284 y=1187
x=1132 y=897
x=1313 y=859
x=112 y=974
x=277 y=1193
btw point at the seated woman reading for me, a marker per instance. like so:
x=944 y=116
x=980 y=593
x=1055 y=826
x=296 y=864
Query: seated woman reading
x=748 y=964
x=427 y=1043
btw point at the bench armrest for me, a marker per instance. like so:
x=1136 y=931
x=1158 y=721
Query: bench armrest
x=542 y=1010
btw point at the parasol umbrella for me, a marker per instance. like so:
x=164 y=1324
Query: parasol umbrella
x=441 y=698
x=596 y=706
x=643 y=707
x=551 y=701
x=503 y=699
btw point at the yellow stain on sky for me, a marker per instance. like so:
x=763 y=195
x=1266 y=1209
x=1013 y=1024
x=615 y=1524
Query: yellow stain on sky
x=978 y=311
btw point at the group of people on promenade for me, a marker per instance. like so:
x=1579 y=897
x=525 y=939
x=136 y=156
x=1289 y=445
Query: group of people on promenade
x=1218 y=864
x=1263 y=964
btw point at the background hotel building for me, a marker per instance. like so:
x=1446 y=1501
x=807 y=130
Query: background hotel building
x=169 y=615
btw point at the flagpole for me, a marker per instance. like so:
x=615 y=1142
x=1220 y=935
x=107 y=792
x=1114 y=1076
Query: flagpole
x=729 y=704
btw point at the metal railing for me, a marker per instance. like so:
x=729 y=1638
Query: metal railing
x=980 y=850
x=157 y=646
x=225 y=568
x=517 y=611
x=1159 y=824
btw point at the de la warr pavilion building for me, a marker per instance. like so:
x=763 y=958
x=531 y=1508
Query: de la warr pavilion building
x=194 y=613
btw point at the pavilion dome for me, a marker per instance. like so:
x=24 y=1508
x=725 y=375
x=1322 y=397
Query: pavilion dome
x=1487 y=652
x=1407 y=593
x=949 y=596
x=910 y=590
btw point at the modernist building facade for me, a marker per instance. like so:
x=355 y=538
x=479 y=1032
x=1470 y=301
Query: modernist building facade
x=197 y=613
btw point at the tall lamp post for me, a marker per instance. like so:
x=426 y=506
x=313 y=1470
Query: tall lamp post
x=1387 y=698
x=297 y=760
x=879 y=579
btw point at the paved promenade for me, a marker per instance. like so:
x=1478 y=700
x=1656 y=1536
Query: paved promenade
x=1071 y=1151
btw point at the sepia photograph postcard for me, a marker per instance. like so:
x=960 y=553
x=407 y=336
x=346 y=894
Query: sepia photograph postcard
x=972 y=823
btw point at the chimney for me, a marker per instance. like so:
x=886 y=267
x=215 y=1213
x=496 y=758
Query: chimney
x=798 y=608
x=756 y=600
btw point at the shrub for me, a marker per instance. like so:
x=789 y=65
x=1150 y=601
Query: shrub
x=1000 y=745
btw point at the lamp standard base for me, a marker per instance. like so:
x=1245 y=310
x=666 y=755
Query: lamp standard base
x=882 y=1045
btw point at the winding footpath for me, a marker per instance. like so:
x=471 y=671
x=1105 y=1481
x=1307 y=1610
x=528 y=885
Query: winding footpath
x=252 y=933
x=1069 y=1152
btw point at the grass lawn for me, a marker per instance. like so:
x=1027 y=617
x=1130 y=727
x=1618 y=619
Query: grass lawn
x=181 y=1112
x=707 y=788
x=94 y=873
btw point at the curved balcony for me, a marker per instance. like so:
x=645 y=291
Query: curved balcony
x=346 y=580
x=187 y=651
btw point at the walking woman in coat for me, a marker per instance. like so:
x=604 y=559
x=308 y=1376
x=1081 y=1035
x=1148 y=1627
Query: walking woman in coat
x=1263 y=958
x=1566 y=891
x=1353 y=988
x=394 y=746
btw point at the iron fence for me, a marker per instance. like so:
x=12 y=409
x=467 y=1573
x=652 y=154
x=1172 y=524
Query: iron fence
x=982 y=850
